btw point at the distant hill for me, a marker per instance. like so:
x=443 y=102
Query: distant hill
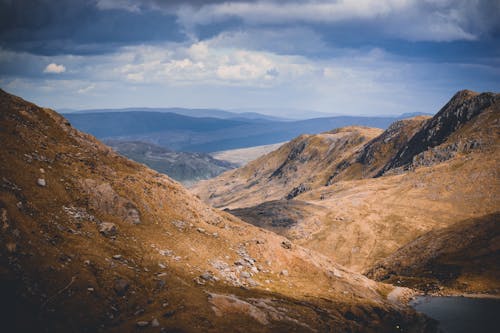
x=186 y=168
x=207 y=134
x=196 y=113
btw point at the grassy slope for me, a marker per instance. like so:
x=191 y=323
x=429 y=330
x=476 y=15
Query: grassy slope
x=51 y=251
x=463 y=256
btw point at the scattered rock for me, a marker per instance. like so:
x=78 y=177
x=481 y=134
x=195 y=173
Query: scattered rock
x=169 y=314
x=201 y=230
x=181 y=225
x=133 y=215
x=286 y=244
x=155 y=323
x=284 y=272
x=41 y=182
x=207 y=276
x=142 y=323
x=108 y=229
x=252 y=283
x=298 y=190
x=117 y=256
x=160 y=284
x=166 y=252
x=245 y=275
x=121 y=286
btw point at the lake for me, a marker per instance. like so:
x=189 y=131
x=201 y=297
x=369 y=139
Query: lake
x=461 y=314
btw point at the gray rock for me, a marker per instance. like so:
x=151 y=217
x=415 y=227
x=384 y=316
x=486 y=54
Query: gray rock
x=108 y=229
x=207 y=276
x=284 y=272
x=252 y=283
x=41 y=182
x=121 y=286
x=133 y=215
x=245 y=275
x=286 y=244
x=142 y=323
x=155 y=323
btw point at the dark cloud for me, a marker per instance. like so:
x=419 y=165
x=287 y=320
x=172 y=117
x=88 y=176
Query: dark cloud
x=79 y=27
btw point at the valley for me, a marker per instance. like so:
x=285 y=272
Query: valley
x=93 y=241
x=359 y=194
x=332 y=230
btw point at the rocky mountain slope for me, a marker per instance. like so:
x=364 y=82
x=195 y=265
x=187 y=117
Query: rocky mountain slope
x=299 y=165
x=463 y=256
x=91 y=241
x=360 y=217
x=187 y=168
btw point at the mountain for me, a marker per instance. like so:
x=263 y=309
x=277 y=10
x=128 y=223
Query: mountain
x=463 y=256
x=91 y=241
x=355 y=196
x=451 y=131
x=206 y=134
x=304 y=163
x=186 y=168
x=196 y=113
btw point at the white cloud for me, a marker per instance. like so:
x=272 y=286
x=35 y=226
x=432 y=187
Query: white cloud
x=86 y=89
x=54 y=69
x=204 y=62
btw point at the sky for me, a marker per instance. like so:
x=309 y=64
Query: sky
x=355 y=57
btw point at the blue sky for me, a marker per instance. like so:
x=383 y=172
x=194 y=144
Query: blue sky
x=371 y=57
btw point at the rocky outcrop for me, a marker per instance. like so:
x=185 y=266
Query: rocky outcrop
x=461 y=109
x=104 y=199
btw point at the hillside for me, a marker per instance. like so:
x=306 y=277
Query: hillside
x=187 y=168
x=304 y=163
x=463 y=256
x=359 y=216
x=92 y=241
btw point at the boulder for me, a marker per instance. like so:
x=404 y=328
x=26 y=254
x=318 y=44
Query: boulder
x=108 y=229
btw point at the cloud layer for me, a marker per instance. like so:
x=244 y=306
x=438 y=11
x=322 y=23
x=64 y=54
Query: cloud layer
x=362 y=56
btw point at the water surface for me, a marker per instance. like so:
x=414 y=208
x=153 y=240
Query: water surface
x=461 y=314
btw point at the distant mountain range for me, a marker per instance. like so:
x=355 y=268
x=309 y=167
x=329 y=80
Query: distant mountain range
x=222 y=131
x=196 y=113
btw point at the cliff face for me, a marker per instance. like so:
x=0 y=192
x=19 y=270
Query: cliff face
x=90 y=241
x=461 y=110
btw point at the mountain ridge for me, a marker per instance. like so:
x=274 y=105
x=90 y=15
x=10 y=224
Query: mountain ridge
x=360 y=217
